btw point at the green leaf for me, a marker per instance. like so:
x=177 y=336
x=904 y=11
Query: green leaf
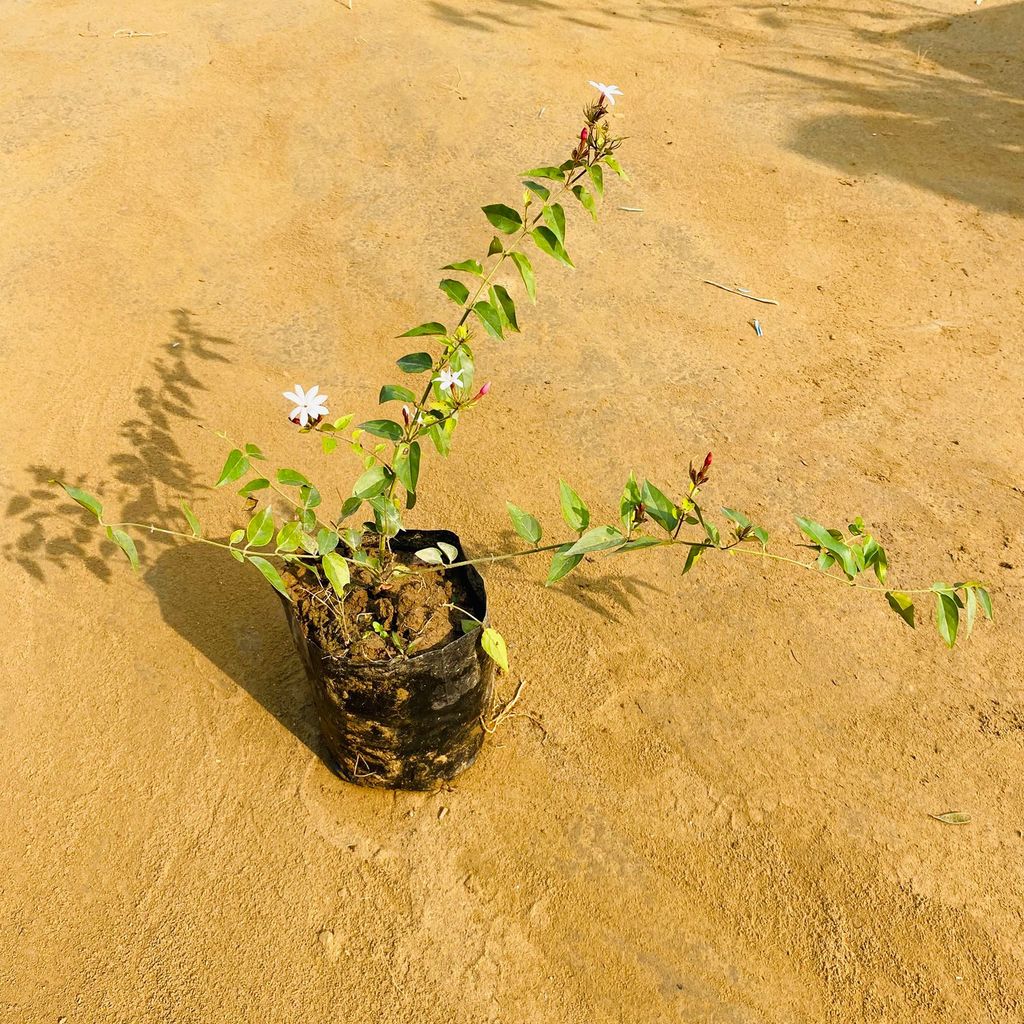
x=547 y=242
x=386 y=516
x=554 y=173
x=574 y=511
x=395 y=393
x=712 y=532
x=326 y=541
x=616 y=167
x=291 y=478
x=87 y=501
x=125 y=543
x=236 y=465
x=554 y=217
x=562 y=563
x=495 y=247
x=692 y=556
x=761 y=534
x=586 y=199
x=525 y=268
x=328 y=444
x=875 y=558
x=261 y=527
x=638 y=544
x=947 y=612
x=455 y=290
x=537 y=190
x=253 y=451
x=985 y=601
x=336 y=571
x=416 y=362
x=856 y=528
x=629 y=502
x=823 y=538
x=503 y=217
x=372 y=482
x=467 y=266
x=599 y=539
x=350 y=506
x=237 y=536
x=352 y=539
x=493 y=644
x=309 y=496
x=525 y=525
x=432 y=556
x=737 y=517
x=490 y=318
x=507 y=306
x=271 y=575
x=659 y=507
x=259 y=484
x=971 y=603
x=425 y=329
x=237 y=555
x=289 y=536
x=388 y=429
x=193 y=523
x=407 y=466
x=597 y=177
x=902 y=605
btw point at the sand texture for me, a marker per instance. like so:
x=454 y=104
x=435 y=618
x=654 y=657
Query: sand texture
x=718 y=808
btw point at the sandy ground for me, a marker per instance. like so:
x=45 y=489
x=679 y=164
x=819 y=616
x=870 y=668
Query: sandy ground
x=728 y=820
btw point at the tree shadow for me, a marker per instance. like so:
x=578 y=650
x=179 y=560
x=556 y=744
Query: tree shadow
x=944 y=112
x=501 y=15
x=48 y=529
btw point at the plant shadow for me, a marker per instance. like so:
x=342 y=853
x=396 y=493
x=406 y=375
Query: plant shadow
x=48 y=529
x=235 y=621
x=224 y=611
x=603 y=596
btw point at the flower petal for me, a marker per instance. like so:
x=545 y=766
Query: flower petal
x=295 y=412
x=312 y=393
x=292 y=397
x=303 y=417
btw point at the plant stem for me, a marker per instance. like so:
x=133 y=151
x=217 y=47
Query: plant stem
x=674 y=542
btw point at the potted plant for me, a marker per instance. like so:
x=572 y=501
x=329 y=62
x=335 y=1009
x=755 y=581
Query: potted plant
x=391 y=622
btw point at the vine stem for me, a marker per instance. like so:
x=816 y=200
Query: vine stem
x=674 y=542
x=413 y=430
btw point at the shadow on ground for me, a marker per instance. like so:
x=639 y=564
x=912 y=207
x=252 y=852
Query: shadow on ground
x=224 y=610
x=946 y=115
x=46 y=528
x=228 y=614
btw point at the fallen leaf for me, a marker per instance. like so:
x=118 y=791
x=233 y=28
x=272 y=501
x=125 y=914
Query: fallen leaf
x=952 y=817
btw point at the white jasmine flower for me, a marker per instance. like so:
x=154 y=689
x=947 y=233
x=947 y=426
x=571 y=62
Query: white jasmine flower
x=309 y=405
x=608 y=91
x=449 y=377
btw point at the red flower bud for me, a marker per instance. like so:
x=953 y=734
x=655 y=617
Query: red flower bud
x=485 y=390
x=584 y=135
x=707 y=463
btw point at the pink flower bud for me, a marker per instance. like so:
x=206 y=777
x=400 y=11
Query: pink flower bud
x=485 y=390
x=584 y=135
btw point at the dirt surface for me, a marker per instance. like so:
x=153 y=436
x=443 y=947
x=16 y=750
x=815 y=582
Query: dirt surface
x=726 y=815
x=415 y=611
